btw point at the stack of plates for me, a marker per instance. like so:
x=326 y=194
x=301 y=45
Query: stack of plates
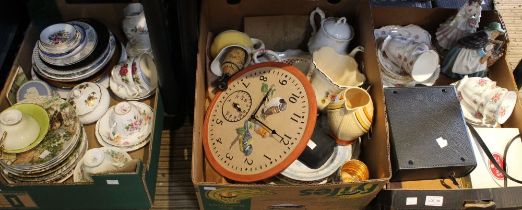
x=53 y=160
x=74 y=52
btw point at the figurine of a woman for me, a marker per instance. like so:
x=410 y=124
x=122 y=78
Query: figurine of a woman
x=472 y=52
x=464 y=23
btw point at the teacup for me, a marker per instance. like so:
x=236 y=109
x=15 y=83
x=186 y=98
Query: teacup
x=122 y=75
x=124 y=120
x=134 y=20
x=499 y=104
x=144 y=72
x=103 y=160
x=139 y=44
x=416 y=58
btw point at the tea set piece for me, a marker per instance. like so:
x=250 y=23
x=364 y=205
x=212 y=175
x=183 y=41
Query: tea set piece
x=484 y=104
x=464 y=23
x=126 y=125
x=59 y=38
x=333 y=32
x=34 y=88
x=57 y=174
x=299 y=171
x=134 y=79
x=333 y=72
x=100 y=160
x=350 y=114
x=61 y=138
x=22 y=127
x=134 y=26
x=233 y=37
x=91 y=101
x=471 y=54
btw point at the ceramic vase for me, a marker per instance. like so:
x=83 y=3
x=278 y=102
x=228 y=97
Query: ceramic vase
x=350 y=114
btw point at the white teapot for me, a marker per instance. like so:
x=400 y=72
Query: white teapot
x=334 y=33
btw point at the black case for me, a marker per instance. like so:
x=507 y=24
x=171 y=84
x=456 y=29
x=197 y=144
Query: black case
x=323 y=145
x=417 y=117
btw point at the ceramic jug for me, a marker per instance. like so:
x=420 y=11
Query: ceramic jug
x=334 y=32
x=333 y=72
x=350 y=114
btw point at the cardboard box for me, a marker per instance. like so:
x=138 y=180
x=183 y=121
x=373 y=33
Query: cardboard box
x=134 y=190
x=213 y=191
x=432 y=193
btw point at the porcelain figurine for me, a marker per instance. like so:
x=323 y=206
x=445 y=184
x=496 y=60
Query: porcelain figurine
x=350 y=114
x=464 y=23
x=333 y=32
x=471 y=54
x=333 y=72
x=91 y=101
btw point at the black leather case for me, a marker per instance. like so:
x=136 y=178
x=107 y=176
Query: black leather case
x=318 y=152
x=419 y=116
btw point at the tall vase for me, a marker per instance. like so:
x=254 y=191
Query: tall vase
x=350 y=114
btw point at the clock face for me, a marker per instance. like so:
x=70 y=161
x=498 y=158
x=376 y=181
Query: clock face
x=261 y=123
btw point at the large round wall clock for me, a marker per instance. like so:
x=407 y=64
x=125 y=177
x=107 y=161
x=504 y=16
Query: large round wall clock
x=261 y=123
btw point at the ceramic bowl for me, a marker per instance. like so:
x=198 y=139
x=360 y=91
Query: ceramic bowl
x=33 y=88
x=25 y=126
x=101 y=160
x=91 y=100
x=125 y=120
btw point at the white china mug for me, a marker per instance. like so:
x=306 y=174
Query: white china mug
x=414 y=57
x=125 y=120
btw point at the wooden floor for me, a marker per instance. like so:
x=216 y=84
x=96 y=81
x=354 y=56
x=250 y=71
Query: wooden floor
x=174 y=189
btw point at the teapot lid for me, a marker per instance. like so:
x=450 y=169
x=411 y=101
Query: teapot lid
x=86 y=97
x=338 y=28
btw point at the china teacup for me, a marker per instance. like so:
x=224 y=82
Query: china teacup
x=139 y=44
x=134 y=20
x=103 y=160
x=122 y=75
x=499 y=104
x=144 y=72
x=125 y=120
x=20 y=129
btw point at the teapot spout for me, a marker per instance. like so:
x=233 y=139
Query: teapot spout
x=356 y=50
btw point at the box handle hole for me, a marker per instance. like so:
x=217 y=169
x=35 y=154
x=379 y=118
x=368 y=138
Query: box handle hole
x=334 y=1
x=233 y=2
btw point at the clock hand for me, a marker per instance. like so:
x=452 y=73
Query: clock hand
x=237 y=107
x=261 y=103
x=272 y=131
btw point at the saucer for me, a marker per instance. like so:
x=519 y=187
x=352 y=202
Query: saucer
x=33 y=88
x=78 y=174
x=131 y=142
x=300 y=172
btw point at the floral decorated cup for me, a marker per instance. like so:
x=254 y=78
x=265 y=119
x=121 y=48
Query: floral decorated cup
x=122 y=75
x=124 y=120
x=144 y=72
x=102 y=160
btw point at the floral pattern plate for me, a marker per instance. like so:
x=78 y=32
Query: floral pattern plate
x=60 y=141
x=122 y=93
x=59 y=173
x=102 y=129
x=74 y=74
x=115 y=153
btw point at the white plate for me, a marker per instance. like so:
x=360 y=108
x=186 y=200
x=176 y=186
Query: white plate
x=78 y=175
x=299 y=171
x=102 y=129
